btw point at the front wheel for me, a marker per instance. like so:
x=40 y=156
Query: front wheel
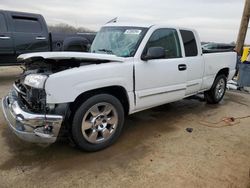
x=98 y=122
x=217 y=92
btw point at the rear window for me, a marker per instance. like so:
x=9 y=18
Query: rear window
x=3 y=27
x=189 y=43
x=26 y=24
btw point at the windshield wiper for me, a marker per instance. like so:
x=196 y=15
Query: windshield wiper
x=106 y=50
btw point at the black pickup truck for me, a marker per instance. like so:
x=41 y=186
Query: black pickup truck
x=25 y=33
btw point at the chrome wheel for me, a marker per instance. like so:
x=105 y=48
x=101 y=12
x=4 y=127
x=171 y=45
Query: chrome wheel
x=220 y=89
x=99 y=123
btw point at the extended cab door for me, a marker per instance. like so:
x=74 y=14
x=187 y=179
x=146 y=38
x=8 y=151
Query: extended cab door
x=30 y=33
x=194 y=61
x=163 y=80
x=6 y=42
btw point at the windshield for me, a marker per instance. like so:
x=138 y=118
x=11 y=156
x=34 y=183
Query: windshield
x=120 y=41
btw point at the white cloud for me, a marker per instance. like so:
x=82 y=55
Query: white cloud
x=215 y=20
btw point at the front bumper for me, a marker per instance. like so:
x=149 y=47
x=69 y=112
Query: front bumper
x=29 y=126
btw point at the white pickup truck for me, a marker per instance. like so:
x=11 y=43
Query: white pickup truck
x=130 y=68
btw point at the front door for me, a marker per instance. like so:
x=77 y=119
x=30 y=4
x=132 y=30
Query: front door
x=161 y=81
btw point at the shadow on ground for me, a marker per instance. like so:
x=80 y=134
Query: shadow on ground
x=138 y=128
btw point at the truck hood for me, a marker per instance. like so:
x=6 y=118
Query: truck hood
x=68 y=55
x=52 y=62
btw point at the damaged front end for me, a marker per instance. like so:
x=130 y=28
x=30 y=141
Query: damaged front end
x=25 y=107
x=32 y=127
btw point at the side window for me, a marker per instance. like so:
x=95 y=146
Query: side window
x=189 y=43
x=3 y=27
x=167 y=39
x=26 y=24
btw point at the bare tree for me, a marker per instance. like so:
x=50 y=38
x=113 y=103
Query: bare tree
x=67 y=29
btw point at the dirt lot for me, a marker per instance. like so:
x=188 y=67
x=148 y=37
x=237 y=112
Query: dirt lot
x=155 y=150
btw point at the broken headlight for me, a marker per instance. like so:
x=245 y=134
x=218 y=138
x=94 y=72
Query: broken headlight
x=35 y=80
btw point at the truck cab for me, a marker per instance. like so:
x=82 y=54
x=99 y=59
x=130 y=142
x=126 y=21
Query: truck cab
x=21 y=33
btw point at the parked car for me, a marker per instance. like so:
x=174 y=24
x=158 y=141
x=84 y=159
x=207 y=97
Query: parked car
x=217 y=47
x=131 y=68
x=25 y=32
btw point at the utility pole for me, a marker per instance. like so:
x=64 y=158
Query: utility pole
x=243 y=27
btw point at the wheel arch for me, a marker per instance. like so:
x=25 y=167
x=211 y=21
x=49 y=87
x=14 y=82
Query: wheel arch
x=117 y=91
x=223 y=71
x=76 y=43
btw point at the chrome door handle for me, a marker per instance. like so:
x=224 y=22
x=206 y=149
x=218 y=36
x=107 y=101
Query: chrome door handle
x=40 y=38
x=182 y=67
x=5 y=38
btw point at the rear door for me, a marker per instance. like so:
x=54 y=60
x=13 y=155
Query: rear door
x=163 y=80
x=194 y=61
x=6 y=42
x=30 y=33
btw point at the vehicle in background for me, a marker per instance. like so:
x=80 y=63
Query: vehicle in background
x=130 y=68
x=25 y=33
x=217 y=47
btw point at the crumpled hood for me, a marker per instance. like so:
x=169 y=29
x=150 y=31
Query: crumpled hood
x=68 y=55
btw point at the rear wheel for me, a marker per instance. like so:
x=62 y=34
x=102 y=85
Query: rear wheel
x=217 y=92
x=98 y=122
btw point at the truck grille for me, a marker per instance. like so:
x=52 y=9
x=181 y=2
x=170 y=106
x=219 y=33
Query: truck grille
x=33 y=98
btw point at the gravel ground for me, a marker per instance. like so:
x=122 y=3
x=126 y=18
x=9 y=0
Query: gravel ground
x=155 y=150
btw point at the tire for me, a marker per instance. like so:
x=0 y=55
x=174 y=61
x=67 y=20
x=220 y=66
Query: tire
x=217 y=91
x=98 y=122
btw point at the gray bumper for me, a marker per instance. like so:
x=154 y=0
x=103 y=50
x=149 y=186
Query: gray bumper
x=29 y=126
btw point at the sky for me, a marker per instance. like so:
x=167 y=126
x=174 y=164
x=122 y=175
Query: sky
x=215 y=20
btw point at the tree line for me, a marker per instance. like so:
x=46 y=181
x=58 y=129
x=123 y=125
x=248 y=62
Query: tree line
x=67 y=29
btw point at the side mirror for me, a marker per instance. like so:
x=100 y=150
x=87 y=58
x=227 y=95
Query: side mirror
x=154 y=53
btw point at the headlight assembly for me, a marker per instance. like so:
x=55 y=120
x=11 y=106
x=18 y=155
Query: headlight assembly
x=35 y=80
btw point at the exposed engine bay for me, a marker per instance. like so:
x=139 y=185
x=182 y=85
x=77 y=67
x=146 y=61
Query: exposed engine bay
x=35 y=98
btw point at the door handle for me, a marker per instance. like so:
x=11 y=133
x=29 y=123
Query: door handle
x=40 y=38
x=182 y=67
x=4 y=37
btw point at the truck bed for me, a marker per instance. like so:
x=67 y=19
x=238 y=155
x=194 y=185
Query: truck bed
x=215 y=62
